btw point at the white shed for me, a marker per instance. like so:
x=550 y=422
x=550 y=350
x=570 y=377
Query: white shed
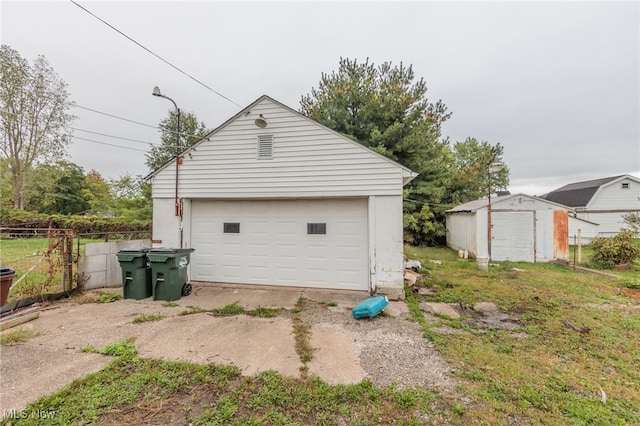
x=272 y=197
x=523 y=228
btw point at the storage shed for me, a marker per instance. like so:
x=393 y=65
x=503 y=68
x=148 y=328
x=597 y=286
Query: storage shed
x=523 y=228
x=272 y=197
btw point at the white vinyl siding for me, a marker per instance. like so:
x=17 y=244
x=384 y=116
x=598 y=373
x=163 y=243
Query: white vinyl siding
x=613 y=197
x=610 y=203
x=309 y=161
x=609 y=224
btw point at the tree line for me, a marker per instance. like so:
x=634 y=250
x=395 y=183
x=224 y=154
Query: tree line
x=384 y=107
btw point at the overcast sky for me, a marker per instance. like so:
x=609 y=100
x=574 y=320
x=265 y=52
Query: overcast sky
x=556 y=83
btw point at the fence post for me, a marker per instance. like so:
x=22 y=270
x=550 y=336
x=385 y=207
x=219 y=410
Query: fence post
x=579 y=245
x=67 y=259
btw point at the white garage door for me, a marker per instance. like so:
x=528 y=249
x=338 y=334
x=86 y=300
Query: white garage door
x=307 y=243
x=512 y=236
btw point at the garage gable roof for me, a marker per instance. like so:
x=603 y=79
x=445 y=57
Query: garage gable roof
x=475 y=205
x=407 y=174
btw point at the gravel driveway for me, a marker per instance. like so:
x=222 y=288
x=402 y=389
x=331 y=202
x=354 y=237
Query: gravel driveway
x=390 y=349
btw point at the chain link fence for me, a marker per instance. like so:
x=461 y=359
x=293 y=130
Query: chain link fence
x=42 y=259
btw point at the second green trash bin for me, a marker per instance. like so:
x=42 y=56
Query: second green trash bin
x=136 y=275
x=169 y=273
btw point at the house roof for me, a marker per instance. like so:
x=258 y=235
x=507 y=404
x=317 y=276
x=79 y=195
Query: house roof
x=580 y=193
x=407 y=174
x=475 y=205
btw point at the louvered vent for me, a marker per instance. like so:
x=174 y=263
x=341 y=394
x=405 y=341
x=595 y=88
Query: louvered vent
x=265 y=147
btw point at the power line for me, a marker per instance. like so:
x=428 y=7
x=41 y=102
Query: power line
x=137 y=122
x=120 y=137
x=112 y=136
x=156 y=55
x=109 y=144
x=115 y=116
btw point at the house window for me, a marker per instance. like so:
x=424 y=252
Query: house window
x=265 y=147
x=625 y=185
x=231 y=228
x=316 y=228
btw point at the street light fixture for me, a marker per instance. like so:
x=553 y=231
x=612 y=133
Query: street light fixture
x=494 y=167
x=178 y=205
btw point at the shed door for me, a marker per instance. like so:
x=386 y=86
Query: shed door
x=513 y=236
x=307 y=243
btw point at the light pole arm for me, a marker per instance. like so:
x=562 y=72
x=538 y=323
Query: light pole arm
x=178 y=205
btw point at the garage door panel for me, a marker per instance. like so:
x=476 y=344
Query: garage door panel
x=231 y=272
x=258 y=273
x=350 y=228
x=273 y=246
x=203 y=270
x=512 y=236
x=287 y=229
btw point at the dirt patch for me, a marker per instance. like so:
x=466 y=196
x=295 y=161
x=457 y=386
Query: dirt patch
x=167 y=410
x=632 y=293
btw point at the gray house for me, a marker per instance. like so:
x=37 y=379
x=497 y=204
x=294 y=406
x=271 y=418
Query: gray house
x=602 y=202
x=523 y=228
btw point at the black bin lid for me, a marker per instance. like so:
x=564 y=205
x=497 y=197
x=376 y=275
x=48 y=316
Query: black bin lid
x=5 y=270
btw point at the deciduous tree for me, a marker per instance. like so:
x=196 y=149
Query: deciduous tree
x=97 y=192
x=34 y=105
x=191 y=131
x=131 y=198
x=57 y=188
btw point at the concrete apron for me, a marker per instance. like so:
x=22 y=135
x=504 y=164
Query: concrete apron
x=52 y=359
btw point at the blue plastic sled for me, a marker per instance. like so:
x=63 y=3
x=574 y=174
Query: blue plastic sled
x=370 y=307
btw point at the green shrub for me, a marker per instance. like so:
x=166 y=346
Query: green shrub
x=608 y=252
x=79 y=224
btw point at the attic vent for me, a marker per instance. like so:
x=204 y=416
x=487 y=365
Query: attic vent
x=265 y=147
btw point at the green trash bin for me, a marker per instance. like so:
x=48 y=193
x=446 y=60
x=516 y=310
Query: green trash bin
x=136 y=274
x=169 y=273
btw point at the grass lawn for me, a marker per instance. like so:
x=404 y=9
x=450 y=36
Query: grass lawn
x=545 y=373
x=22 y=254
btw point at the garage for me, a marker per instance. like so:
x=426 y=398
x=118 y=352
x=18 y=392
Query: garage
x=272 y=197
x=309 y=243
x=523 y=229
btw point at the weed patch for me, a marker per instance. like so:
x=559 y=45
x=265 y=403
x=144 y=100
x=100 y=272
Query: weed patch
x=108 y=297
x=302 y=335
x=126 y=348
x=148 y=317
x=263 y=312
x=193 y=310
x=233 y=309
x=16 y=336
